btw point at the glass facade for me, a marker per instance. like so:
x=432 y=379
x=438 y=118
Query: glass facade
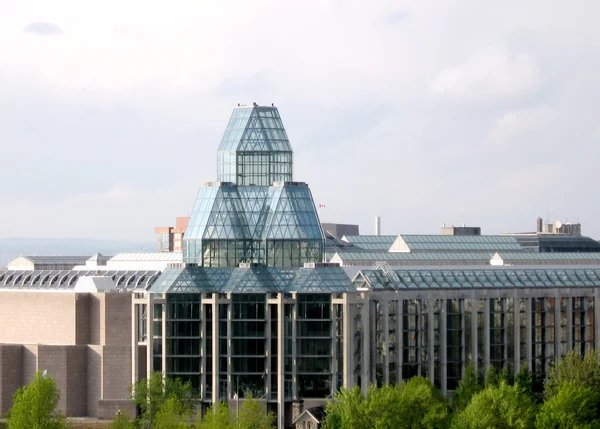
x=254 y=213
x=255 y=150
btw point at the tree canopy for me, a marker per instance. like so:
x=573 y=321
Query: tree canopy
x=415 y=404
x=571 y=407
x=498 y=407
x=34 y=405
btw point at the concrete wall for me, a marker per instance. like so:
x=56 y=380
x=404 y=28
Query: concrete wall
x=83 y=341
x=42 y=317
x=11 y=358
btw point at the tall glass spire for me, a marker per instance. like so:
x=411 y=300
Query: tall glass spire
x=255 y=149
x=254 y=213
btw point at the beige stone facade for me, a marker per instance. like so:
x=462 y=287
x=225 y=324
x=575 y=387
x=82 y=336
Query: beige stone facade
x=83 y=341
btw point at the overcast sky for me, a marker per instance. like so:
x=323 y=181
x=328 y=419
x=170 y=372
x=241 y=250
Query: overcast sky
x=421 y=112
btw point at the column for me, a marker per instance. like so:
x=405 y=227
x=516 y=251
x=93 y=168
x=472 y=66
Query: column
x=399 y=341
x=431 y=339
x=215 y=349
x=557 y=323
x=528 y=345
x=334 y=361
x=486 y=337
x=443 y=347
x=163 y=335
x=294 y=351
x=386 y=341
x=203 y=360
x=517 y=332
x=134 y=340
x=569 y=323
x=280 y=362
x=475 y=339
x=268 y=336
x=366 y=344
x=150 y=336
x=348 y=341
x=230 y=380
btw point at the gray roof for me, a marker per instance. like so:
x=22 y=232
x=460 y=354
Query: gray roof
x=254 y=280
x=73 y=260
x=478 y=278
x=66 y=279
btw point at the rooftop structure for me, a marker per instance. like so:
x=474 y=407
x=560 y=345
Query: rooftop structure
x=255 y=213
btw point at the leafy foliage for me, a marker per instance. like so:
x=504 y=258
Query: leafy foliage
x=34 y=405
x=582 y=371
x=502 y=406
x=524 y=379
x=571 y=407
x=467 y=387
x=151 y=395
x=121 y=421
x=416 y=404
x=216 y=417
x=172 y=415
x=253 y=415
x=491 y=378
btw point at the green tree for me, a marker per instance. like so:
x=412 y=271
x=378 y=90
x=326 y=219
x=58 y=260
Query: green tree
x=253 y=415
x=34 y=405
x=415 y=404
x=172 y=415
x=150 y=395
x=498 y=407
x=491 y=378
x=121 y=421
x=582 y=371
x=524 y=379
x=467 y=387
x=216 y=417
x=571 y=407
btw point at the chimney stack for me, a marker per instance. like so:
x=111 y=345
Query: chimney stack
x=377 y=225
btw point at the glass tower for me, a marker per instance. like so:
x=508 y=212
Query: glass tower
x=254 y=213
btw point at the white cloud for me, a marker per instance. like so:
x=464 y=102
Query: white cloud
x=490 y=76
x=535 y=127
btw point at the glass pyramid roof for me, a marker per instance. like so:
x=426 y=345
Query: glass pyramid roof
x=255 y=128
x=253 y=280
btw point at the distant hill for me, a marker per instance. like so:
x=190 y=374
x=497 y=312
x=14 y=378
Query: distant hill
x=14 y=247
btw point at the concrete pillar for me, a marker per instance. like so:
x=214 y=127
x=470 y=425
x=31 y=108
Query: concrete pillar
x=399 y=341
x=528 y=339
x=474 y=336
x=215 y=349
x=557 y=324
x=486 y=336
x=229 y=346
x=431 y=339
x=269 y=352
x=294 y=343
x=517 y=333
x=596 y=319
x=134 y=340
x=163 y=334
x=280 y=362
x=443 y=348
x=373 y=343
x=386 y=341
x=569 y=323
x=366 y=344
x=150 y=336
x=334 y=361
x=348 y=342
x=203 y=361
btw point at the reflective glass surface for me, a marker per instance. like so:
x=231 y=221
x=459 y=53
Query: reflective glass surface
x=255 y=149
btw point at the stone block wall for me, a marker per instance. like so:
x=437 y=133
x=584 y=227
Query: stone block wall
x=11 y=358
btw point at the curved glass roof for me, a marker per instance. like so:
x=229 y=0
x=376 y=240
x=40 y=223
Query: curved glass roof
x=477 y=278
x=253 y=280
x=66 y=279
